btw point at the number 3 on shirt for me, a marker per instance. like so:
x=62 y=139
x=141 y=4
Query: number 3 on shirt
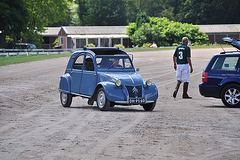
x=180 y=56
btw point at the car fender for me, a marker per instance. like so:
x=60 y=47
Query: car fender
x=151 y=92
x=65 y=83
x=229 y=80
x=113 y=93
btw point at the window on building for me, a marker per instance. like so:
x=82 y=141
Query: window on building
x=61 y=40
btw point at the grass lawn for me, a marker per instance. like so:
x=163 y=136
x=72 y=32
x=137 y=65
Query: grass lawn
x=24 y=58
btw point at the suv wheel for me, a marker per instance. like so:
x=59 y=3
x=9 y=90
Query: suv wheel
x=231 y=95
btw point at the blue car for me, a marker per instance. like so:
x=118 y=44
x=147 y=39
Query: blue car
x=107 y=76
x=221 y=77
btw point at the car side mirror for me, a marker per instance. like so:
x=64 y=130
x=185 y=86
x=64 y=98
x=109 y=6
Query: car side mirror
x=137 y=69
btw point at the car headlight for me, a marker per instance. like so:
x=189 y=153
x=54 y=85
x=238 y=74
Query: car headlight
x=148 y=83
x=118 y=83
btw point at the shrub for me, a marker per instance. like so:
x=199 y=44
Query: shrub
x=165 y=32
x=146 y=45
x=119 y=46
x=90 y=45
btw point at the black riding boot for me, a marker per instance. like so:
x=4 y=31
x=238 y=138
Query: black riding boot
x=176 y=89
x=185 y=89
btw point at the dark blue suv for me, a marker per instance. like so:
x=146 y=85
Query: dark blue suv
x=221 y=77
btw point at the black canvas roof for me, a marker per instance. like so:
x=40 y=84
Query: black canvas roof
x=106 y=50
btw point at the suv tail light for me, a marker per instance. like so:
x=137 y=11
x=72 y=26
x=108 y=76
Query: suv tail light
x=204 y=76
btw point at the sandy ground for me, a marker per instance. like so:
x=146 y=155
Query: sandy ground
x=34 y=125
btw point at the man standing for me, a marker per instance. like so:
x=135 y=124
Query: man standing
x=182 y=62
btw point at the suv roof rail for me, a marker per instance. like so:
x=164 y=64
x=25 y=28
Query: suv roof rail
x=230 y=52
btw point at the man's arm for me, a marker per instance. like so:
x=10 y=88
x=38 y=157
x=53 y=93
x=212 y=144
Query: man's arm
x=174 y=62
x=190 y=64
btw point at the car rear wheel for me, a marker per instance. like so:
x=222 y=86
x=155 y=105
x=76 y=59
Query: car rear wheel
x=66 y=99
x=102 y=102
x=231 y=95
x=149 y=106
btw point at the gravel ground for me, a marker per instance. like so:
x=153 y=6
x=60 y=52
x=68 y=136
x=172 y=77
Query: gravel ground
x=34 y=125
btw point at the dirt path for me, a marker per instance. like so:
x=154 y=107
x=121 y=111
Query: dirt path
x=34 y=125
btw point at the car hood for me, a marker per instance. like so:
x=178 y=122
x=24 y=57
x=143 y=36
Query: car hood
x=129 y=78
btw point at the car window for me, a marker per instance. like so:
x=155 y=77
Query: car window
x=225 y=63
x=78 y=63
x=113 y=62
x=128 y=64
x=89 y=66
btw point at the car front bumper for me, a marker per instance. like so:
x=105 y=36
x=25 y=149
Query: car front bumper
x=131 y=101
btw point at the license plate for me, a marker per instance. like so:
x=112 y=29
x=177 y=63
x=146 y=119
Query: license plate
x=137 y=101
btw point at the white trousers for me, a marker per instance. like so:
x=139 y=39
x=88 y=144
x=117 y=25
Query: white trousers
x=182 y=72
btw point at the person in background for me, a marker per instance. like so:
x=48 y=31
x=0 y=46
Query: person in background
x=154 y=45
x=182 y=62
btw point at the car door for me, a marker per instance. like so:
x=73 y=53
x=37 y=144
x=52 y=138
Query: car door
x=89 y=77
x=76 y=74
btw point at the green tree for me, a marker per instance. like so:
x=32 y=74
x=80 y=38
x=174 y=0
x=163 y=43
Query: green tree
x=131 y=10
x=72 y=16
x=14 y=19
x=141 y=19
x=82 y=10
x=212 y=12
x=103 y=12
x=42 y=13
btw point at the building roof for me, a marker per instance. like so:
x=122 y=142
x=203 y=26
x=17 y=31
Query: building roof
x=51 y=31
x=94 y=30
x=115 y=31
x=220 y=28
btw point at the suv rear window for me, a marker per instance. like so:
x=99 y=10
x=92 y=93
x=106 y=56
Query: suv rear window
x=225 y=63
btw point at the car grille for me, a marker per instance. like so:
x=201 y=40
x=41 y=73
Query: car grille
x=134 y=91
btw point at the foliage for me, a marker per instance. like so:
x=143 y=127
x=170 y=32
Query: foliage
x=90 y=45
x=71 y=18
x=211 y=12
x=102 y=12
x=23 y=20
x=141 y=19
x=56 y=42
x=131 y=29
x=185 y=11
x=146 y=45
x=165 y=33
x=119 y=45
x=41 y=14
x=14 y=18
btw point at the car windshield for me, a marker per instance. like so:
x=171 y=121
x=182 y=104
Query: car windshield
x=113 y=62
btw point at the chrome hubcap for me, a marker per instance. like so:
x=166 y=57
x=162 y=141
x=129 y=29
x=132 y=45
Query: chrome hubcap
x=101 y=99
x=232 y=96
x=64 y=98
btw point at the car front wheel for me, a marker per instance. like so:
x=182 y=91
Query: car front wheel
x=66 y=99
x=149 y=106
x=231 y=95
x=102 y=102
